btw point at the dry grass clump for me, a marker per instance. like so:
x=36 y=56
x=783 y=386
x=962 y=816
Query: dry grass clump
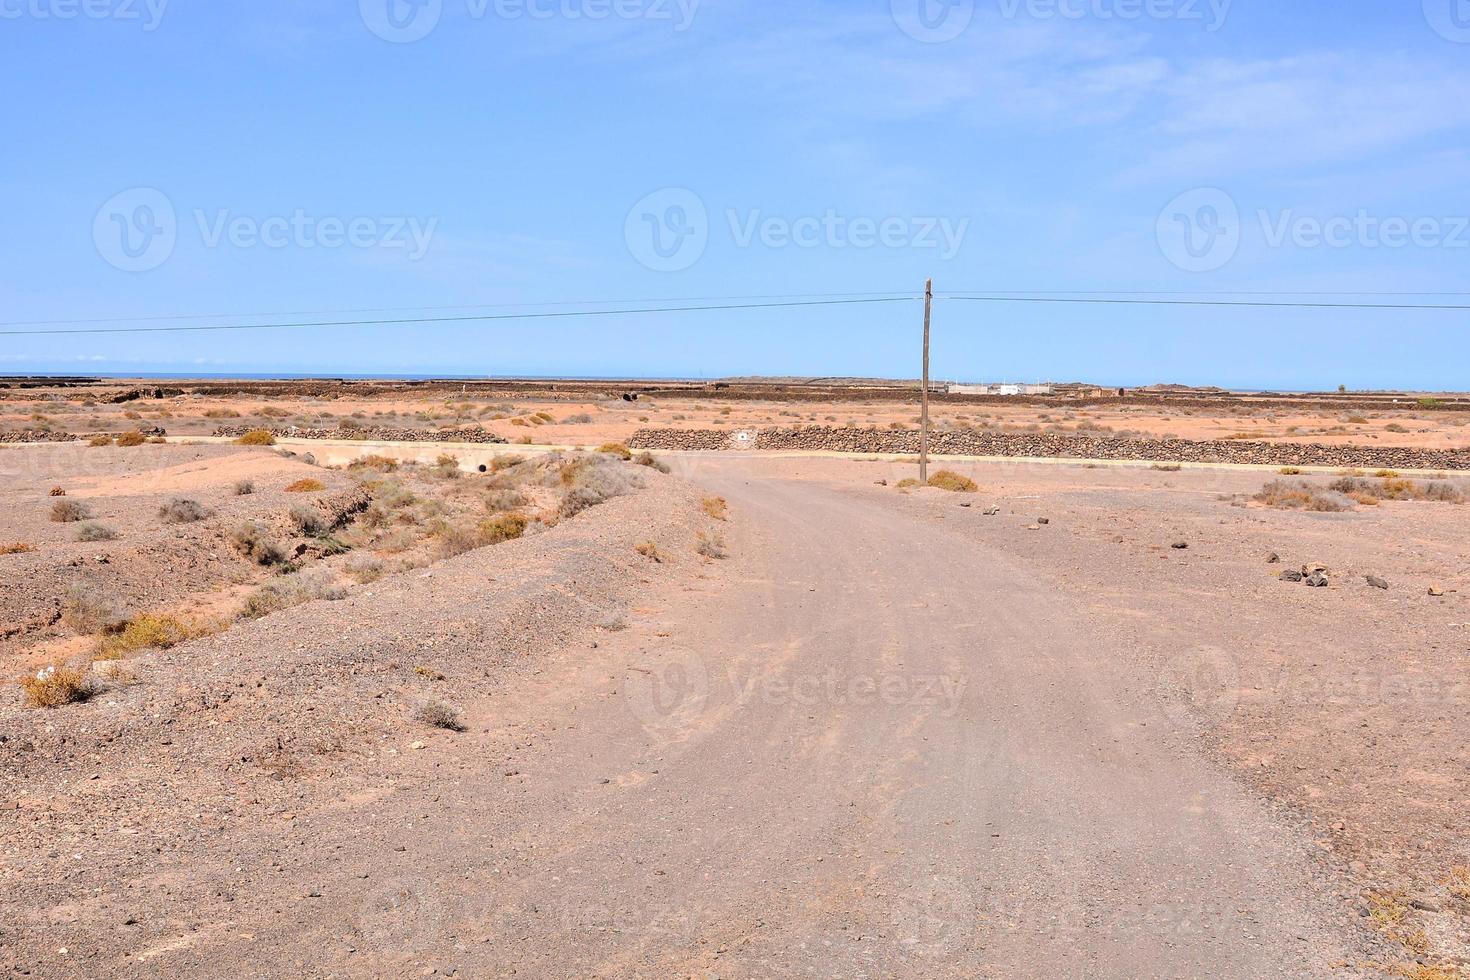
x=907 y=483
x=56 y=492
x=69 y=512
x=130 y=439
x=182 y=511
x=712 y=546
x=150 y=631
x=244 y=488
x=505 y=462
x=1301 y=495
x=499 y=500
x=221 y=413
x=650 y=551
x=383 y=464
x=647 y=459
x=506 y=527
x=1290 y=471
x=99 y=440
x=308 y=520
x=56 y=686
x=92 y=531
x=1395 y=488
x=252 y=541
x=591 y=480
x=440 y=715
x=292 y=590
x=87 y=609
x=18 y=548
x=307 y=485
x=615 y=449
x=953 y=482
x=363 y=569
x=716 y=507
x=257 y=437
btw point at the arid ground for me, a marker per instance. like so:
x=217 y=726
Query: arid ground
x=373 y=713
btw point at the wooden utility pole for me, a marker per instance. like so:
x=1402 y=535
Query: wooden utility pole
x=924 y=433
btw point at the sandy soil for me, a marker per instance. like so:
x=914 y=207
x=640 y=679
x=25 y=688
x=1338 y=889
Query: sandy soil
x=888 y=735
x=563 y=418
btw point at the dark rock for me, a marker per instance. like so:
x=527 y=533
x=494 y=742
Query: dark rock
x=1376 y=582
x=1291 y=575
x=1317 y=580
x=1180 y=546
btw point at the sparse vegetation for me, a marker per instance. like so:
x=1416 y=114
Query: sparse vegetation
x=308 y=520
x=1301 y=495
x=615 y=449
x=307 y=485
x=1167 y=467
x=953 y=482
x=69 y=512
x=1290 y=471
x=257 y=437
x=363 y=569
x=505 y=527
x=181 y=510
x=86 y=609
x=150 y=631
x=650 y=551
x=440 y=715
x=57 y=492
x=716 y=507
x=251 y=540
x=92 y=531
x=647 y=459
x=130 y=439
x=57 y=686
x=711 y=546
x=244 y=488
x=383 y=464
x=292 y=590
x=99 y=440
x=18 y=548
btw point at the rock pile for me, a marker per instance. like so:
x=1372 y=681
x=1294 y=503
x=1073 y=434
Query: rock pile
x=369 y=433
x=1045 y=445
x=37 y=435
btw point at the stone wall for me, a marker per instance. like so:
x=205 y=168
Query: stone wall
x=369 y=433
x=984 y=443
x=37 y=435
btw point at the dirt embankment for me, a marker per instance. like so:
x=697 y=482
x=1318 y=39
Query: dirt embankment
x=1042 y=445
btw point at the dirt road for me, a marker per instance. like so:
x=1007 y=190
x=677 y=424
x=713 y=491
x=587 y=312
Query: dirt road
x=861 y=747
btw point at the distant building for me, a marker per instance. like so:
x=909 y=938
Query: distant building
x=1005 y=388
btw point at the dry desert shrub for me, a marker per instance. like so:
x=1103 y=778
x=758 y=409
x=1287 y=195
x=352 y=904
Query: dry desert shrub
x=648 y=460
x=383 y=464
x=221 y=413
x=99 y=440
x=1167 y=467
x=130 y=439
x=56 y=492
x=1301 y=495
x=1290 y=471
x=615 y=449
x=579 y=419
x=499 y=500
x=307 y=485
x=650 y=551
x=308 y=520
x=716 y=507
x=244 y=488
x=1394 y=488
x=440 y=715
x=182 y=511
x=18 y=548
x=56 y=686
x=292 y=590
x=86 y=609
x=506 y=462
x=69 y=512
x=953 y=482
x=363 y=569
x=151 y=631
x=257 y=437
x=252 y=541
x=92 y=531
x=506 y=527
x=712 y=546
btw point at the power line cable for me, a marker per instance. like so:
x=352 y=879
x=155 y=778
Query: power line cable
x=1204 y=302
x=452 y=319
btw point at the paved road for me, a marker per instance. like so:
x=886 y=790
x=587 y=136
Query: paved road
x=863 y=748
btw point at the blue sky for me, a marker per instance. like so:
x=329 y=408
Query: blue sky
x=304 y=155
